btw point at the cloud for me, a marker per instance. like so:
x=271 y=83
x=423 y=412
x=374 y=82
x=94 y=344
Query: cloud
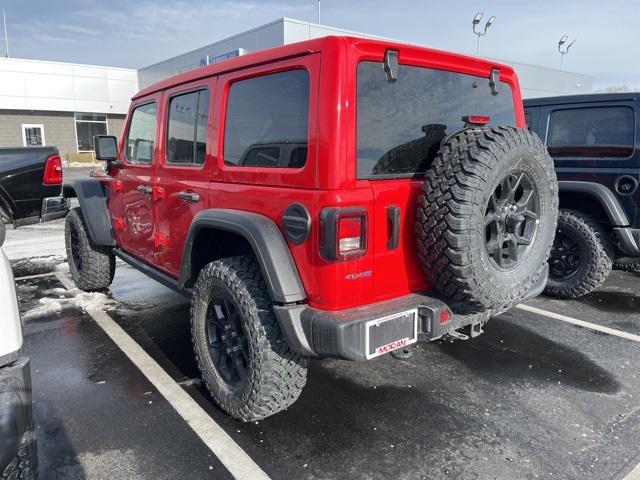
x=138 y=33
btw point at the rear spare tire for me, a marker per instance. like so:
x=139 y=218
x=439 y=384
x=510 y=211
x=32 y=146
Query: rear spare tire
x=486 y=217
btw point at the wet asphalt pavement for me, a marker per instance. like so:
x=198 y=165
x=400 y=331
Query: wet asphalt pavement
x=531 y=398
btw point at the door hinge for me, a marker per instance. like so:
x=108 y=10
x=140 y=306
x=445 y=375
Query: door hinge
x=160 y=240
x=118 y=224
x=158 y=193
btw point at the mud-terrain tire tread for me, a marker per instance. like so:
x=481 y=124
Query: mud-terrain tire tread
x=458 y=174
x=98 y=262
x=25 y=464
x=277 y=375
x=3 y=232
x=633 y=267
x=591 y=274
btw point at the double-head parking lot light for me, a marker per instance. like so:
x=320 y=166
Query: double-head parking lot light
x=563 y=48
x=479 y=33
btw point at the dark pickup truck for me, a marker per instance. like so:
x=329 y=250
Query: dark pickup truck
x=31 y=185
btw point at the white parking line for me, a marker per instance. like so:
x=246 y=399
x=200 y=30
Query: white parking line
x=236 y=460
x=580 y=323
x=40 y=275
x=633 y=474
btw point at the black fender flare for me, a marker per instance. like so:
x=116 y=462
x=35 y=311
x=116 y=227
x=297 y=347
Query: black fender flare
x=268 y=244
x=601 y=194
x=93 y=202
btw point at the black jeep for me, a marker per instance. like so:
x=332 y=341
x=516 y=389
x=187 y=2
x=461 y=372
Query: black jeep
x=593 y=140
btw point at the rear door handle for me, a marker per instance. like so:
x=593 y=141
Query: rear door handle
x=393 y=218
x=145 y=190
x=190 y=197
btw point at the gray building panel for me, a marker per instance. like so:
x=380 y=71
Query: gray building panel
x=59 y=128
x=535 y=81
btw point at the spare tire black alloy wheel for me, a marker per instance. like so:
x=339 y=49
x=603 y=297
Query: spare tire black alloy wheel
x=227 y=341
x=511 y=219
x=486 y=218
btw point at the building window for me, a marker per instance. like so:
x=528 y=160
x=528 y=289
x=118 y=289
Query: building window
x=267 y=122
x=32 y=135
x=88 y=125
x=596 y=132
x=187 y=131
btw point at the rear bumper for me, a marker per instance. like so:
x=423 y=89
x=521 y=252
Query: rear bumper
x=15 y=408
x=629 y=241
x=343 y=334
x=54 y=208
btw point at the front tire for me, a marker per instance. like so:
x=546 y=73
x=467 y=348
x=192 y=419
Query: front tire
x=580 y=260
x=242 y=354
x=92 y=267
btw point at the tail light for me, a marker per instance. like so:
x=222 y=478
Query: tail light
x=53 y=170
x=344 y=233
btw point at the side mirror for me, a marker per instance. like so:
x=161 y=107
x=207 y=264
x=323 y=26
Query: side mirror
x=106 y=147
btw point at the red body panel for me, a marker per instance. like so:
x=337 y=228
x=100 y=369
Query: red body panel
x=327 y=180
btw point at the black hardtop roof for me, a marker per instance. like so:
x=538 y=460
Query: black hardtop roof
x=586 y=98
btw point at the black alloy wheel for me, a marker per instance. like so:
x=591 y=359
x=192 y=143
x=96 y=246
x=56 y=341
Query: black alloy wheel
x=565 y=258
x=228 y=345
x=511 y=219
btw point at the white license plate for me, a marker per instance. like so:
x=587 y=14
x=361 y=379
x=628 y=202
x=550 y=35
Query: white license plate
x=385 y=334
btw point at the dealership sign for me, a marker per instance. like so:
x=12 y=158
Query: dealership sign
x=210 y=60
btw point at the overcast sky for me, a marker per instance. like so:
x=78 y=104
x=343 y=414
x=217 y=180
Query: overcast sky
x=131 y=33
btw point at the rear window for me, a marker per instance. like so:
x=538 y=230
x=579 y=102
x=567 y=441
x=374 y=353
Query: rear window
x=591 y=132
x=401 y=124
x=267 y=121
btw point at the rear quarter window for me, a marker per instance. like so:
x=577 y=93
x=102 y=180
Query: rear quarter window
x=401 y=124
x=591 y=132
x=267 y=121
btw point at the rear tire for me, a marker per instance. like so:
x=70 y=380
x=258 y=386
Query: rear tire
x=581 y=257
x=242 y=354
x=92 y=267
x=486 y=217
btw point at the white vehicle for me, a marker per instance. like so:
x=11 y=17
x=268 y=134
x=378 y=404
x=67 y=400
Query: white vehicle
x=18 y=453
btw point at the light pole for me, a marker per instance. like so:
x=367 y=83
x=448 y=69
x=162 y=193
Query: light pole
x=318 y=12
x=6 y=37
x=563 y=48
x=479 y=33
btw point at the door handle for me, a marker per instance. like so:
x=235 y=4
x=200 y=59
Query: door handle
x=145 y=190
x=393 y=218
x=190 y=197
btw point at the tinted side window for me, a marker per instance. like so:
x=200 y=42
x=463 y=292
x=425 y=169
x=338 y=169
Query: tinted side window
x=591 y=132
x=141 y=137
x=267 y=122
x=187 y=130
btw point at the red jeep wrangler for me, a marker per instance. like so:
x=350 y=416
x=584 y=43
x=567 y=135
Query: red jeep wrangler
x=338 y=197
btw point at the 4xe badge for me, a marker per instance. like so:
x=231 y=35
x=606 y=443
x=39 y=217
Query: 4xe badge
x=356 y=276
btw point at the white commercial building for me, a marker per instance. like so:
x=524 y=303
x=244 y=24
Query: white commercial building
x=65 y=104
